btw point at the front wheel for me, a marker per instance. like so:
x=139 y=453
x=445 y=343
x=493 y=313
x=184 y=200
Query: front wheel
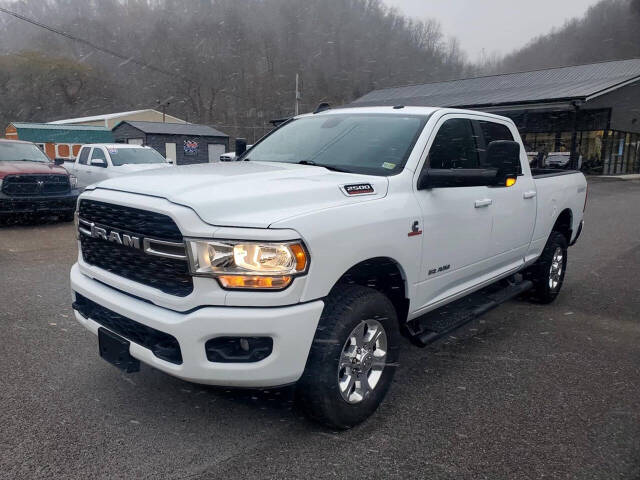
x=547 y=274
x=352 y=359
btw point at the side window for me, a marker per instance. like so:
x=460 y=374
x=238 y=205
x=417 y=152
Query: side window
x=84 y=156
x=98 y=154
x=494 y=131
x=454 y=146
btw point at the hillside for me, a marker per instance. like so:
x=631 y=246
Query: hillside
x=223 y=62
x=609 y=30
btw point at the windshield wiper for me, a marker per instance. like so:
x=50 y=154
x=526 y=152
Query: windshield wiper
x=328 y=167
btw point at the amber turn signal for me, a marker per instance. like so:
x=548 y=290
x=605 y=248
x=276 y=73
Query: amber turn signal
x=254 y=281
x=301 y=257
x=511 y=181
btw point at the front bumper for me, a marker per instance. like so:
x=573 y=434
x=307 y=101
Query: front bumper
x=292 y=329
x=39 y=204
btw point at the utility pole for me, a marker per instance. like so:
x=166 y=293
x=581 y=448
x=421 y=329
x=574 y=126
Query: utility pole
x=298 y=95
x=163 y=105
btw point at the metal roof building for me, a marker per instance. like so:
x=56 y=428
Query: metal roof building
x=58 y=141
x=110 y=120
x=592 y=111
x=184 y=143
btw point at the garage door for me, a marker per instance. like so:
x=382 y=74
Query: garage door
x=215 y=150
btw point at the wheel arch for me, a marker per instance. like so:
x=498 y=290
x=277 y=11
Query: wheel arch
x=383 y=274
x=564 y=224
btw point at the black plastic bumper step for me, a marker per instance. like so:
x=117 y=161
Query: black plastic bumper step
x=444 y=320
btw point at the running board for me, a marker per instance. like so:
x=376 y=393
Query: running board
x=434 y=325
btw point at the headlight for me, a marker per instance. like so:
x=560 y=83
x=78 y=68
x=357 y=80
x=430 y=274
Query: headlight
x=248 y=265
x=73 y=181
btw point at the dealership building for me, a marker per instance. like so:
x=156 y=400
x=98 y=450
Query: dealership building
x=591 y=112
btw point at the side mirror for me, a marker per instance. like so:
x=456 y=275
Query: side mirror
x=98 y=162
x=241 y=146
x=59 y=161
x=504 y=155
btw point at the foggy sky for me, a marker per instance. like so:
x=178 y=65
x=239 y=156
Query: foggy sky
x=493 y=25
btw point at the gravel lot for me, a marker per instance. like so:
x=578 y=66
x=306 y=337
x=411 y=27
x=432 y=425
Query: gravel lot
x=527 y=391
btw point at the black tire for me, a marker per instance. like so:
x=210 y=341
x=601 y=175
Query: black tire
x=545 y=291
x=317 y=392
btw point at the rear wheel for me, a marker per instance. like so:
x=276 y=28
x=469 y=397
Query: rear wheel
x=353 y=358
x=547 y=274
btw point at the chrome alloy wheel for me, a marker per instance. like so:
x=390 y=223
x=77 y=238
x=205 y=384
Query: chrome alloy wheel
x=362 y=361
x=555 y=271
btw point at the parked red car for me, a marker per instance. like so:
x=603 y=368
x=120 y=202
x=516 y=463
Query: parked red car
x=31 y=184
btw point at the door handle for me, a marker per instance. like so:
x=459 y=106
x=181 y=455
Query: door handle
x=529 y=194
x=483 y=203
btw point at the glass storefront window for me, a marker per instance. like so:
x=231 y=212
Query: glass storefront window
x=608 y=153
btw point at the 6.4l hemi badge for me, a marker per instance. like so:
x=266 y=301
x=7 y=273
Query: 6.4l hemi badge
x=358 y=189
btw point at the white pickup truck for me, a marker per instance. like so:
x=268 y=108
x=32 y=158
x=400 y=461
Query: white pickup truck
x=305 y=261
x=101 y=161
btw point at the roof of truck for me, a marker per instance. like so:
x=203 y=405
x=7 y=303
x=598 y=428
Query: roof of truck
x=8 y=140
x=403 y=110
x=115 y=145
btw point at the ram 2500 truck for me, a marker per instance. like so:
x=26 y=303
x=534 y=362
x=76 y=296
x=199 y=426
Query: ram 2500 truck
x=101 y=161
x=307 y=259
x=30 y=184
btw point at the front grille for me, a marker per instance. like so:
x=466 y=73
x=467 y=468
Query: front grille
x=18 y=205
x=162 y=344
x=35 y=185
x=142 y=222
x=166 y=274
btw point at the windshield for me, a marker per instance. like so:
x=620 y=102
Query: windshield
x=27 y=152
x=122 y=156
x=374 y=144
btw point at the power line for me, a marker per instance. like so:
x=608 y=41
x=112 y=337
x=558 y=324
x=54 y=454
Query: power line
x=127 y=59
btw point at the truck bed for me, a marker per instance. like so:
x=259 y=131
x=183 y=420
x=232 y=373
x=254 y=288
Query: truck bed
x=551 y=172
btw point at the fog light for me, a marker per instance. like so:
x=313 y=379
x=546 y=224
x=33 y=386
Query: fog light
x=238 y=349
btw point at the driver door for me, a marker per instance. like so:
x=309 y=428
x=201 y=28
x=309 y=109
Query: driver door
x=99 y=171
x=456 y=220
x=82 y=167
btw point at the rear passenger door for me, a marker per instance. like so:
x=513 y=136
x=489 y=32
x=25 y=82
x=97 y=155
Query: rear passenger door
x=514 y=208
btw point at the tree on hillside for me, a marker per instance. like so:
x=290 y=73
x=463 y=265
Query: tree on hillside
x=234 y=62
x=35 y=87
x=610 y=30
